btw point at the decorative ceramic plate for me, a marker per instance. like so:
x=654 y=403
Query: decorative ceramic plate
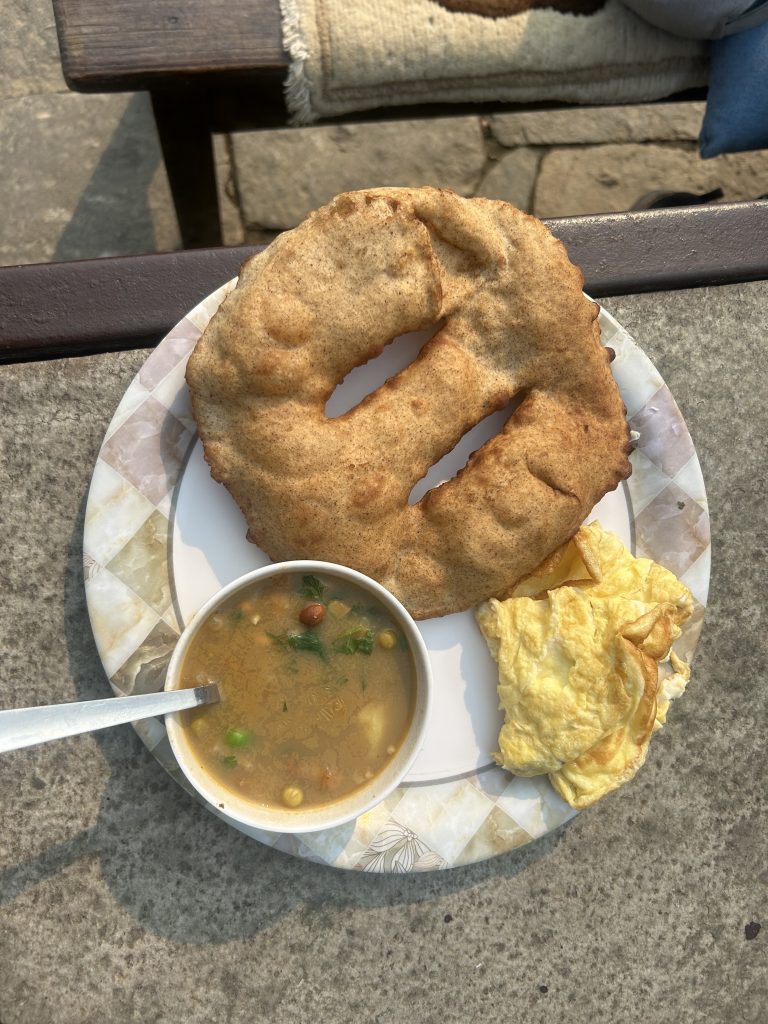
x=161 y=537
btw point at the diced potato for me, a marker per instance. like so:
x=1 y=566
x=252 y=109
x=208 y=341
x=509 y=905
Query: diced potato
x=281 y=603
x=338 y=609
x=372 y=720
x=262 y=641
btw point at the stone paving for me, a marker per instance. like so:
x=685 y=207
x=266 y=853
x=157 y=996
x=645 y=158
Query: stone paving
x=82 y=175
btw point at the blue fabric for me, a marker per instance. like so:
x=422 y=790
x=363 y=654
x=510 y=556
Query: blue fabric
x=736 y=117
x=701 y=19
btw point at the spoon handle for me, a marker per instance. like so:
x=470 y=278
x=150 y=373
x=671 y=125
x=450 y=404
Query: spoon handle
x=23 y=727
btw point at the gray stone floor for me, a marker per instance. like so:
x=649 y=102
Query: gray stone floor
x=82 y=176
x=122 y=901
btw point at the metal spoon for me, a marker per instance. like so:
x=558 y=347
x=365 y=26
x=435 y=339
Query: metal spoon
x=23 y=727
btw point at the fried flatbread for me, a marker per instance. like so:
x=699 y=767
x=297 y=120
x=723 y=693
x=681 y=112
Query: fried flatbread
x=330 y=295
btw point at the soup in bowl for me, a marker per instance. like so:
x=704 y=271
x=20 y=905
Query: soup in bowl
x=325 y=687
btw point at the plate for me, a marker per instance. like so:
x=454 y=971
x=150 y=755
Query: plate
x=161 y=537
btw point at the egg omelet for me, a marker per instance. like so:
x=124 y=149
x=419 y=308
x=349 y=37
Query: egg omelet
x=578 y=645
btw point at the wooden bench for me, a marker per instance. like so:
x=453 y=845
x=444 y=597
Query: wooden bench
x=209 y=66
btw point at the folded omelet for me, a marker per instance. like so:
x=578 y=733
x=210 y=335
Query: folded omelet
x=578 y=646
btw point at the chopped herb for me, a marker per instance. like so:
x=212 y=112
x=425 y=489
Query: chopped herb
x=363 y=684
x=230 y=761
x=354 y=642
x=237 y=737
x=307 y=641
x=311 y=587
x=237 y=615
x=402 y=642
x=285 y=706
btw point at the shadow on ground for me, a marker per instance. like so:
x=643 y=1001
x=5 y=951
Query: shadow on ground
x=183 y=873
x=113 y=216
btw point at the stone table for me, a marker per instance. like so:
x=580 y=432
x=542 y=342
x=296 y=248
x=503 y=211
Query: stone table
x=122 y=900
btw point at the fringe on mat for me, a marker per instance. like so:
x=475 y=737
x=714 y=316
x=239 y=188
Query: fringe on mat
x=298 y=96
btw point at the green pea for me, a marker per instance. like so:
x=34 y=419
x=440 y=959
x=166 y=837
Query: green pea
x=237 y=737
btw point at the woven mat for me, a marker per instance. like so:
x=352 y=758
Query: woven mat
x=348 y=56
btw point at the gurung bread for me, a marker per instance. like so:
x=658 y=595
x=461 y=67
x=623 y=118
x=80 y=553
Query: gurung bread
x=327 y=297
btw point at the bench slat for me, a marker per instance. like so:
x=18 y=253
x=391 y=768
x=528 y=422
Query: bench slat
x=124 y=44
x=63 y=309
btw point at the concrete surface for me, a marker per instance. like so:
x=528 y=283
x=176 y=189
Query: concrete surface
x=78 y=178
x=284 y=175
x=600 y=179
x=122 y=900
x=654 y=122
x=82 y=175
x=29 y=49
x=512 y=176
x=548 y=162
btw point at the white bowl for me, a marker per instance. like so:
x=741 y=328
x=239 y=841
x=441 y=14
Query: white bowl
x=276 y=819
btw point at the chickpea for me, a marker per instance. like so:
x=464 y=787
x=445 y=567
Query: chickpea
x=312 y=614
x=292 y=796
x=387 y=639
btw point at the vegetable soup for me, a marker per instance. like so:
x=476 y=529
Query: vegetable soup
x=318 y=690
